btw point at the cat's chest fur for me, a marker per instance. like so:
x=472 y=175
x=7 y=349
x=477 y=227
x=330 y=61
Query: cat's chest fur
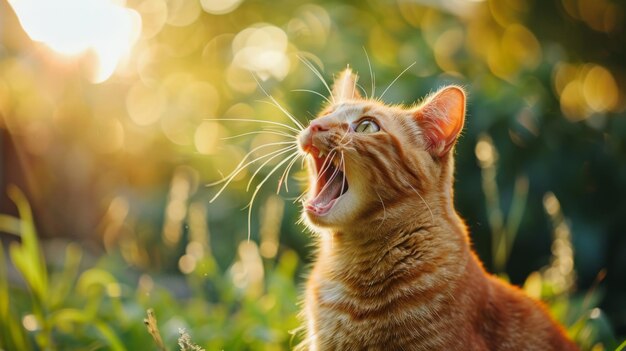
x=345 y=324
x=417 y=292
x=397 y=296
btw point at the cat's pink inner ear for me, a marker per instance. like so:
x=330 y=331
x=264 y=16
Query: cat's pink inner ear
x=344 y=87
x=441 y=119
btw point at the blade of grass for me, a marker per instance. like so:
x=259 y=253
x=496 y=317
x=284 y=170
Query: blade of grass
x=93 y=284
x=12 y=335
x=4 y=300
x=4 y=288
x=16 y=330
x=516 y=212
x=64 y=284
x=29 y=236
x=71 y=315
x=27 y=257
x=153 y=329
x=113 y=341
x=10 y=224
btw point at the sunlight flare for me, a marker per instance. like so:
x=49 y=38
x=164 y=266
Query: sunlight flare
x=106 y=28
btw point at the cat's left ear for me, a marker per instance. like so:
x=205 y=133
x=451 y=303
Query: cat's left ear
x=344 y=87
x=441 y=119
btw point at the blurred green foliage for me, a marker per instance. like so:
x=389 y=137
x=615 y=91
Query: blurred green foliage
x=88 y=309
x=118 y=169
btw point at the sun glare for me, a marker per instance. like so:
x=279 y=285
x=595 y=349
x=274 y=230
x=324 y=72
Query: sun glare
x=74 y=27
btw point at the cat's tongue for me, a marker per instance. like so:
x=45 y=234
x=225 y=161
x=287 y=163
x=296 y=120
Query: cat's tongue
x=326 y=198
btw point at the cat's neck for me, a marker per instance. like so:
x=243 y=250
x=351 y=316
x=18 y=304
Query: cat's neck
x=366 y=257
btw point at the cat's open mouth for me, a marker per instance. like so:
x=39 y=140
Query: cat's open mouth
x=330 y=185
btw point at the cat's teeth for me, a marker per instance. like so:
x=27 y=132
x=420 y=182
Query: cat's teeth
x=321 y=154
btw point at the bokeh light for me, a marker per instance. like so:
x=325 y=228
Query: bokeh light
x=262 y=49
x=73 y=27
x=220 y=7
x=585 y=89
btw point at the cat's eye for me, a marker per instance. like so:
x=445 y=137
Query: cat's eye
x=367 y=126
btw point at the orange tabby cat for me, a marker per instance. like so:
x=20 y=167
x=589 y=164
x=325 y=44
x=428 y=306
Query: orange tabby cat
x=395 y=269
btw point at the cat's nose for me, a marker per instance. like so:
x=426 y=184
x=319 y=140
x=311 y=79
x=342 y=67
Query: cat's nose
x=317 y=126
x=306 y=138
x=311 y=134
x=306 y=142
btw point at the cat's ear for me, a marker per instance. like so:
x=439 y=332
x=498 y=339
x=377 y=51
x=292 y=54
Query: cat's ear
x=441 y=119
x=344 y=87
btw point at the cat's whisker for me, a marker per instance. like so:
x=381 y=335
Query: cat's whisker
x=288 y=171
x=285 y=176
x=274 y=102
x=346 y=146
x=330 y=180
x=245 y=157
x=343 y=171
x=286 y=133
x=227 y=180
x=340 y=143
x=343 y=137
x=252 y=121
x=258 y=187
x=277 y=104
x=300 y=198
x=362 y=90
x=258 y=132
x=432 y=217
x=315 y=93
x=331 y=155
x=372 y=76
x=291 y=198
x=268 y=161
x=325 y=165
x=318 y=74
x=398 y=77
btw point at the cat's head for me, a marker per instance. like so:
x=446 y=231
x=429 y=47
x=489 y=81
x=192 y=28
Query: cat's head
x=370 y=162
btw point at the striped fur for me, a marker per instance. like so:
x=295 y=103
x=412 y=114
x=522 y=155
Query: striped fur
x=394 y=268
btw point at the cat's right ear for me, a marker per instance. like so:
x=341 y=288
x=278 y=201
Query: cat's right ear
x=344 y=87
x=441 y=118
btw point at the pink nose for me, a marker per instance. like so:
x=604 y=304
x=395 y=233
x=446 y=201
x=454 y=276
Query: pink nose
x=317 y=126
x=307 y=140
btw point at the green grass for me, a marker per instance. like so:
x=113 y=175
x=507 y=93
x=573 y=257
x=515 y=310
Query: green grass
x=100 y=307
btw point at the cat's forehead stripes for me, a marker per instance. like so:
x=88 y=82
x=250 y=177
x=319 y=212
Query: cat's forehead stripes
x=348 y=110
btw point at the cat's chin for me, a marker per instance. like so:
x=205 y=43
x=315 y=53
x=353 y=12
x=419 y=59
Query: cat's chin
x=320 y=210
x=333 y=214
x=326 y=220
